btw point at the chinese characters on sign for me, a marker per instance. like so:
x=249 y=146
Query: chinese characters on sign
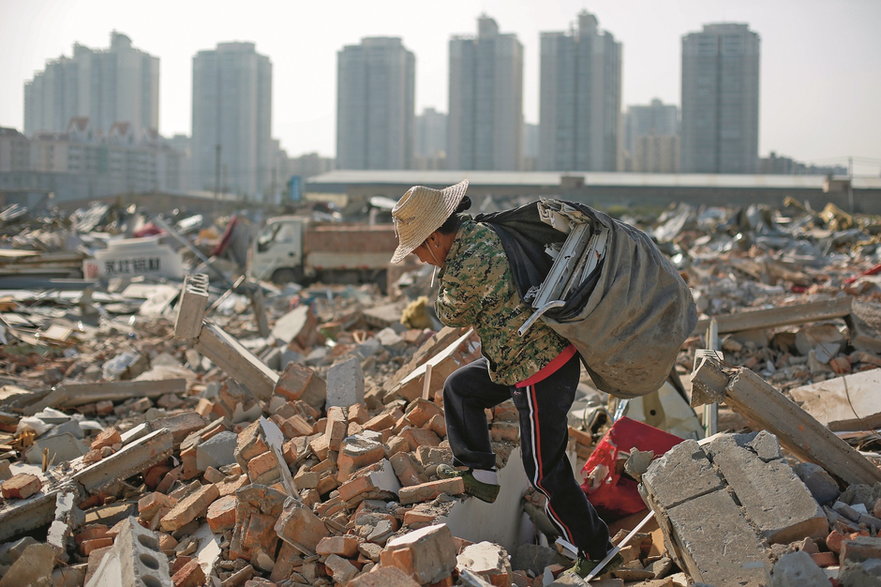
x=135 y=266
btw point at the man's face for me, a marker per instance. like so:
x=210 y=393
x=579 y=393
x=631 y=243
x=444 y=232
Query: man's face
x=425 y=255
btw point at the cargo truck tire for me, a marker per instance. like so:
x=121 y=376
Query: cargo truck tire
x=287 y=275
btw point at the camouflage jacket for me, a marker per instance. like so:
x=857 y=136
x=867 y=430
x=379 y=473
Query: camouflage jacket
x=477 y=290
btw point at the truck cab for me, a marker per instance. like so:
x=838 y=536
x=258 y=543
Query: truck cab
x=277 y=252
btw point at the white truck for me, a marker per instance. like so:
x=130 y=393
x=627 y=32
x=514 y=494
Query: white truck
x=297 y=249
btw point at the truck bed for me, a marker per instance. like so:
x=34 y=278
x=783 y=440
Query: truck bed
x=350 y=238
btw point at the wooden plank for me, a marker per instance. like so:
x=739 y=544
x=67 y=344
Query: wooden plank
x=750 y=396
x=780 y=316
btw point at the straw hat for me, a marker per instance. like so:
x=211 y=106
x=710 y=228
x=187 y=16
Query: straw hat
x=420 y=212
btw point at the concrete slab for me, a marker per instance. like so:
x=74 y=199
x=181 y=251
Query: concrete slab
x=33 y=567
x=797 y=569
x=217 y=451
x=716 y=543
x=345 y=383
x=60 y=447
x=774 y=499
x=683 y=473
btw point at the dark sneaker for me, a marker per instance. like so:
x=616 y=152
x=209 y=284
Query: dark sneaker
x=487 y=492
x=583 y=566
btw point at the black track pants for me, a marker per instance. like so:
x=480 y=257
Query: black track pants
x=543 y=408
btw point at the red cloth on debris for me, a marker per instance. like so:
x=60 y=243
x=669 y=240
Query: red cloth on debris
x=148 y=229
x=617 y=493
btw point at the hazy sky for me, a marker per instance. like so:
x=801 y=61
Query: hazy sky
x=820 y=63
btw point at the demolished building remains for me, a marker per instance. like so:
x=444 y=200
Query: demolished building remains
x=184 y=427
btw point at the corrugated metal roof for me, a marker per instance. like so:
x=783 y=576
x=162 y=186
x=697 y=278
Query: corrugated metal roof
x=553 y=178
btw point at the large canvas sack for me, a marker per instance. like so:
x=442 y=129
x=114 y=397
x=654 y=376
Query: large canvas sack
x=629 y=318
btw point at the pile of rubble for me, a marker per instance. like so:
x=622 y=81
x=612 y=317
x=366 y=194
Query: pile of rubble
x=165 y=433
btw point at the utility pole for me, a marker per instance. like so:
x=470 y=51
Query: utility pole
x=850 y=183
x=217 y=171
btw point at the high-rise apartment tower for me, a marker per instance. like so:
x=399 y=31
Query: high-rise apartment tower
x=119 y=84
x=720 y=100
x=486 y=100
x=580 y=100
x=376 y=83
x=232 y=120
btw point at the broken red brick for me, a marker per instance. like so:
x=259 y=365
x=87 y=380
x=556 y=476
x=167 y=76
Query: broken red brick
x=222 y=513
x=190 y=575
x=295 y=426
x=383 y=577
x=21 y=486
x=189 y=508
x=825 y=559
x=152 y=503
x=107 y=437
x=430 y=490
x=299 y=526
x=345 y=546
x=87 y=546
x=263 y=468
x=90 y=533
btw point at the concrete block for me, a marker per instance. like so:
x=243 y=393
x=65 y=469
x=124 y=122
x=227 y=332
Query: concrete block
x=217 y=451
x=748 y=395
x=773 y=498
x=134 y=559
x=430 y=490
x=861 y=548
x=33 y=567
x=300 y=527
x=67 y=517
x=797 y=569
x=345 y=383
x=714 y=541
x=428 y=555
x=766 y=446
x=191 y=308
x=820 y=483
x=383 y=577
x=683 y=473
x=534 y=558
x=11 y=551
x=487 y=560
x=864 y=574
x=135 y=457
